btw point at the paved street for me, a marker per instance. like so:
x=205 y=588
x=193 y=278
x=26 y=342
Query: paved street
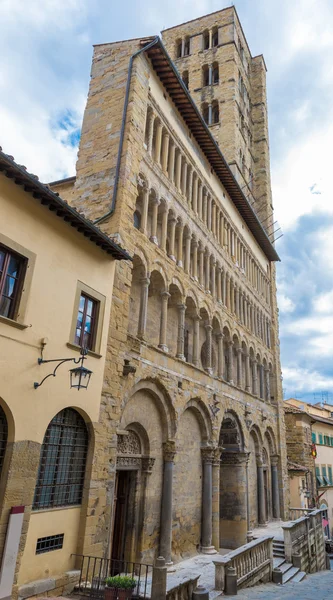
x=314 y=587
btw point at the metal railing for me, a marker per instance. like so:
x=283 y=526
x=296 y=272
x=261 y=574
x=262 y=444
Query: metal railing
x=94 y=570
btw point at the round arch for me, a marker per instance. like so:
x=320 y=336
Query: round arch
x=164 y=403
x=201 y=411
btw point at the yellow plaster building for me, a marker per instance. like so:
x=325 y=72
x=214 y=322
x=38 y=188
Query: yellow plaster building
x=56 y=281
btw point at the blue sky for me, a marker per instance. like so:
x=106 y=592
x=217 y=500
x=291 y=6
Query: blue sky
x=46 y=49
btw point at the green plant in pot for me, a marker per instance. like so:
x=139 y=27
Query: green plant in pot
x=119 y=587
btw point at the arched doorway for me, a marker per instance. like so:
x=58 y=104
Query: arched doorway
x=233 y=484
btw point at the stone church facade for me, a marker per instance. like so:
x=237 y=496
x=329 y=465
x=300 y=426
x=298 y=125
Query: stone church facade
x=190 y=446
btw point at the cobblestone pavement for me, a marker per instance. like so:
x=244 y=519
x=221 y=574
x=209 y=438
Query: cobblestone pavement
x=318 y=586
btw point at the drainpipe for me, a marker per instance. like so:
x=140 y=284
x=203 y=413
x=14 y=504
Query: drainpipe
x=115 y=187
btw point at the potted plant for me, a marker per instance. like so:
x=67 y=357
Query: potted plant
x=119 y=587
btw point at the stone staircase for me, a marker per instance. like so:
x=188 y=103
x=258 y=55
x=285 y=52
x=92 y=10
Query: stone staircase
x=284 y=571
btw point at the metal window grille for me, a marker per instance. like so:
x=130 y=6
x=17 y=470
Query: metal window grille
x=62 y=462
x=49 y=543
x=3 y=436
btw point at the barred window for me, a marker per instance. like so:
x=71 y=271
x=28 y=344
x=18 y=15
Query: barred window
x=62 y=461
x=3 y=437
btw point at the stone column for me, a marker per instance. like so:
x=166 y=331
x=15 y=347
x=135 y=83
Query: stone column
x=145 y=204
x=151 y=134
x=165 y=152
x=171 y=164
x=261 y=381
x=228 y=291
x=254 y=378
x=153 y=237
x=158 y=143
x=172 y=238
x=220 y=356
x=201 y=266
x=190 y=188
x=261 y=492
x=213 y=268
x=169 y=452
x=195 y=194
x=209 y=330
x=275 y=487
x=184 y=177
x=200 y=200
x=245 y=310
x=267 y=385
x=178 y=170
x=207 y=501
x=219 y=272
x=209 y=213
x=224 y=286
x=237 y=301
x=164 y=320
x=213 y=218
x=207 y=272
x=180 y=245
x=210 y=69
x=164 y=227
x=209 y=114
x=233 y=499
x=240 y=306
x=181 y=331
x=195 y=260
x=231 y=362
x=187 y=253
x=205 y=207
x=143 y=307
x=239 y=367
x=196 y=339
x=247 y=373
x=217 y=220
x=216 y=499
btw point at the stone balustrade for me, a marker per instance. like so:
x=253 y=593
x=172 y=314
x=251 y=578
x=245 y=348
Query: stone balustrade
x=183 y=590
x=304 y=542
x=253 y=563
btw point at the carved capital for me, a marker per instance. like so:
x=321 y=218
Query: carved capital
x=147 y=463
x=169 y=451
x=275 y=460
x=207 y=454
x=235 y=458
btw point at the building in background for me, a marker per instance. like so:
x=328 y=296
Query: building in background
x=322 y=439
x=192 y=384
x=56 y=280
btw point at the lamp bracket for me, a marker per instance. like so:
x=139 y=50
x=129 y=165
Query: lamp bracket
x=60 y=362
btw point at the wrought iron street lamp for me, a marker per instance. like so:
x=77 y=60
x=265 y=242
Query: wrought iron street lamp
x=79 y=376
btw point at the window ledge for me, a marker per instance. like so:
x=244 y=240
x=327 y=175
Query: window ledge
x=13 y=323
x=53 y=508
x=77 y=348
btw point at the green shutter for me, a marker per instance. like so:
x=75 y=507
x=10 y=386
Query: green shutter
x=314 y=438
x=330 y=475
x=320 y=438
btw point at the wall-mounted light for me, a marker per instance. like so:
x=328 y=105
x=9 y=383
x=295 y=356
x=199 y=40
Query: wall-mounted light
x=79 y=376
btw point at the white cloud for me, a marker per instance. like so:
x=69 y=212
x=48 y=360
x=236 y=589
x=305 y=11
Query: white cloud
x=301 y=379
x=285 y=304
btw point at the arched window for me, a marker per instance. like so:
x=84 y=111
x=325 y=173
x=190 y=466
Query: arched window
x=205 y=113
x=3 y=437
x=187 y=46
x=205 y=75
x=215 y=73
x=178 y=48
x=185 y=78
x=205 y=40
x=215 y=37
x=62 y=461
x=215 y=112
x=137 y=219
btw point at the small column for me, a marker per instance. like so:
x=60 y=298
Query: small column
x=275 y=487
x=153 y=237
x=143 y=307
x=209 y=213
x=220 y=356
x=187 y=252
x=201 y=266
x=216 y=499
x=239 y=367
x=171 y=165
x=209 y=114
x=145 y=204
x=181 y=331
x=240 y=306
x=245 y=311
x=164 y=320
x=207 y=501
x=158 y=146
x=254 y=378
x=151 y=134
x=195 y=194
x=164 y=227
x=261 y=492
x=180 y=244
x=213 y=218
x=261 y=381
x=184 y=177
x=231 y=361
x=196 y=339
x=213 y=268
x=190 y=187
x=224 y=290
x=219 y=273
x=165 y=152
x=178 y=170
x=172 y=238
x=195 y=259
x=217 y=220
x=228 y=291
x=200 y=200
x=207 y=272
x=209 y=330
x=247 y=373
x=237 y=301
x=169 y=452
x=210 y=75
x=267 y=385
x=204 y=207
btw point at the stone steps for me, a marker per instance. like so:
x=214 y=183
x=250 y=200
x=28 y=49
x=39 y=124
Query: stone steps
x=284 y=571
